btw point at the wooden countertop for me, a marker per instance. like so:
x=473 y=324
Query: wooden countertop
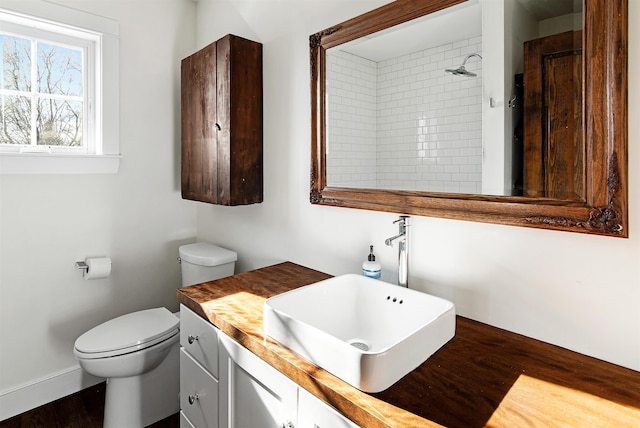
x=484 y=376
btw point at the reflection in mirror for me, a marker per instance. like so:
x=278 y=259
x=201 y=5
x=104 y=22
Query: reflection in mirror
x=570 y=170
x=439 y=105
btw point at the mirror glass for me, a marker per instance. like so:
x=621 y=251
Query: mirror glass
x=539 y=134
x=462 y=102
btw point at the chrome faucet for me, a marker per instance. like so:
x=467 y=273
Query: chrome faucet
x=403 y=249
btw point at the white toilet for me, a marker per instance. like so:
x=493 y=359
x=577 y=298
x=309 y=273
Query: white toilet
x=138 y=353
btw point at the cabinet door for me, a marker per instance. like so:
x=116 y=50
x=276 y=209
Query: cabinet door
x=252 y=393
x=199 y=132
x=239 y=114
x=553 y=143
x=314 y=413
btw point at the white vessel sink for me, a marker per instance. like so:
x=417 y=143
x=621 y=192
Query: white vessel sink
x=367 y=332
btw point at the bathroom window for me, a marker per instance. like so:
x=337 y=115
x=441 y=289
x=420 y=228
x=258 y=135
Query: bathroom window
x=58 y=91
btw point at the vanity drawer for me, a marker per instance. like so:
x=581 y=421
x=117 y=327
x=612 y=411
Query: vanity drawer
x=198 y=393
x=200 y=338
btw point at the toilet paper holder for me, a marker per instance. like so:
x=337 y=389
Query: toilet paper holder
x=95 y=267
x=82 y=265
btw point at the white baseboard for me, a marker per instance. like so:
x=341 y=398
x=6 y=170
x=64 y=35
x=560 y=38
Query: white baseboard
x=44 y=390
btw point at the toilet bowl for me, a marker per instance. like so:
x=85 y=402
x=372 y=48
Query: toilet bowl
x=138 y=353
x=129 y=351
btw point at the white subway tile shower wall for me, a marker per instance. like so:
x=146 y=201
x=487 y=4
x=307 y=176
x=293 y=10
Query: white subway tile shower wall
x=351 y=120
x=430 y=122
x=427 y=126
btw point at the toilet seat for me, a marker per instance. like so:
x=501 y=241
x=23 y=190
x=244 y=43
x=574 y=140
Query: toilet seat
x=128 y=333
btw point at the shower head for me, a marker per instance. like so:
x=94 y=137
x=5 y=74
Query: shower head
x=462 y=71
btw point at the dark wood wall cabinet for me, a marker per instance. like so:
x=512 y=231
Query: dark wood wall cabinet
x=221 y=104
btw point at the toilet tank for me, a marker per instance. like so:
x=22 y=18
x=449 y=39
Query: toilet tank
x=202 y=262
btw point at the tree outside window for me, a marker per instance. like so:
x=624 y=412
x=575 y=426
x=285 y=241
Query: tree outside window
x=41 y=94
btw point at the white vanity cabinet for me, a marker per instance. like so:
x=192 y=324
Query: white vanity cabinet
x=236 y=389
x=198 y=371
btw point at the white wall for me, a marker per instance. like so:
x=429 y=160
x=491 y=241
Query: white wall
x=136 y=217
x=496 y=117
x=579 y=291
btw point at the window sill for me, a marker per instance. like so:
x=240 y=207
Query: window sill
x=44 y=163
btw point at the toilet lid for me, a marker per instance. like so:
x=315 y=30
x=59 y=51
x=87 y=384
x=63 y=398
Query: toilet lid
x=129 y=332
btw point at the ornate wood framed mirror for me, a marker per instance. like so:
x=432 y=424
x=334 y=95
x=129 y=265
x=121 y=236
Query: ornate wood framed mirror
x=590 y=198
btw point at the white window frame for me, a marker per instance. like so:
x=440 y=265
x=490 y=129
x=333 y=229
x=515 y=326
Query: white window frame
x=102 y=153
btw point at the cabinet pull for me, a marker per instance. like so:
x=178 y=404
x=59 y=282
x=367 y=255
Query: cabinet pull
x=193 y=398
x=218 y=127
x=192 y=339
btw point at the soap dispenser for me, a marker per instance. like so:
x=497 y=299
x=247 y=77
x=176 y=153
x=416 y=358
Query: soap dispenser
x=370 y=267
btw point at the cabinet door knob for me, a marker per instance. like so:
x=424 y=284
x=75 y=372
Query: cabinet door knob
x=192 y=399
x=192 y=339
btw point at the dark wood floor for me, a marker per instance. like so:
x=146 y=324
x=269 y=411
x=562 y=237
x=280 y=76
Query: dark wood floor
x=84 y=409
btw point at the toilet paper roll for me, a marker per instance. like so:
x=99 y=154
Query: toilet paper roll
x=99 y=267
